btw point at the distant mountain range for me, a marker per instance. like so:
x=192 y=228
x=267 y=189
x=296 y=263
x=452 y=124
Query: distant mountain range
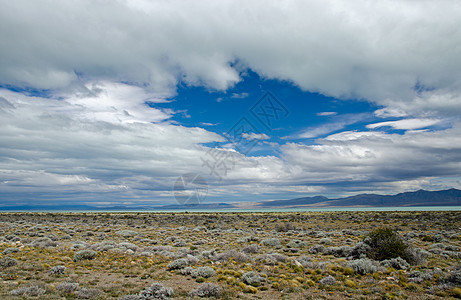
x=451 y=197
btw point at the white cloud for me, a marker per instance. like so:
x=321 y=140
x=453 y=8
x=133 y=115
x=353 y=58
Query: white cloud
x=239 y=95
x=406 y=124
x=337 y=123
x=327 y=113
x=255 y=136
x=376 y=51
x=97 y=135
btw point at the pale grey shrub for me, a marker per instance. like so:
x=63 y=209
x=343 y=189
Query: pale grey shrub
x=44 y=242
x=128 y=246
x=57 y=270
x=207 y=290
x=253 y=248
x=177 y=264
x=252 y=278
x=30 y=291
x=191 y=260
x=204 y=272
x=271 y=242
x=186 y=270
x=236 y=255
x=303 y=260
x=85 y=254
x=325 y=241
x=67 y=287
x=7 y=262
x=364 y=266
x=317 y=249
x=397 y=263
x=126 y=233
x=88 y=293
x=10 y=250
x=296 y=244
x=328 y=280
x=156 y=291
x=130 y=297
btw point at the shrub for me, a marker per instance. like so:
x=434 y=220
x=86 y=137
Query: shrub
x=204 y=272
x=85 y=293
x=396 y=263
x=44 y=242
x=85 y=255
x=317 y=249
x=252 y=278
x=328 y=280
x=325 y=241
x=7 y=262
x=10 y=250
x=455 y=277
x=126 y=233
x=238 y=256
x=130 y=297
x=271 y=242
x=56 y=270
x=364 y=266
x=385 y=243
x=253 y=248
x=417 y=256
x=177 y=264
x=186 y=270
x=156 y=291
x=359 y=250
x=30 y=291
x=296 y=244
x=207 y=290
x=67 y=287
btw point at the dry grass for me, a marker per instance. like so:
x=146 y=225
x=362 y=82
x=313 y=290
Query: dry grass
x=135 y=249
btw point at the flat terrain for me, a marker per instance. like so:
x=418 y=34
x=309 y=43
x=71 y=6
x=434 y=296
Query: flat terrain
x=243 y=255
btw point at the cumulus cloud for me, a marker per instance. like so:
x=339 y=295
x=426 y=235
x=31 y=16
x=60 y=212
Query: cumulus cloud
x=255 y=136
x=376 y=51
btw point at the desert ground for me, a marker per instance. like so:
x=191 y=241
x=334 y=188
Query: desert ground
x=305 y=255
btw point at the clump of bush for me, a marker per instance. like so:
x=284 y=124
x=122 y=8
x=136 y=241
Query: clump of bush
x=7 y=262
x=10 y=250
x=364 y=266
x=85 y=255
x=328 y=280
x=253 y=248
x=156 y=291
x=29 y=291
x=88 y=293
x=296 y=244
x=396 y=263
x=207 y=290
x=177 y=264
x=385 y=243
x=271 y=242
x=204 y=272
x=252 y=278
x=57 y=270
x=126 y=233
x=67 y=287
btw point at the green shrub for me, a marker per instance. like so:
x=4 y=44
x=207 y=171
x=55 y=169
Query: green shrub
x=385 y=243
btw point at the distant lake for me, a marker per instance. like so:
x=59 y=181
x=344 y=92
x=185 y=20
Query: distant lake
x=320 y=209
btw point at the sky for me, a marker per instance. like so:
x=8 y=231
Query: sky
x=136 y=102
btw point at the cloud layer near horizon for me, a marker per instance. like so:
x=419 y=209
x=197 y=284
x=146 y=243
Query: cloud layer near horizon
x=95 y=134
